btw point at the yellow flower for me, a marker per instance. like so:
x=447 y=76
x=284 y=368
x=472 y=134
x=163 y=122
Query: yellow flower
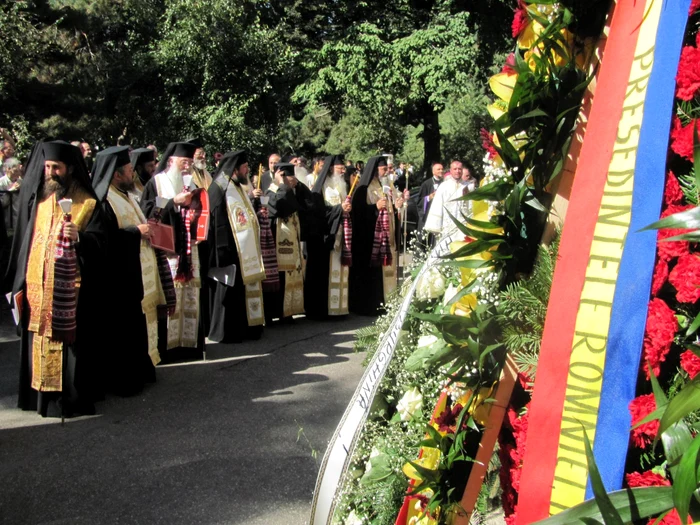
x=502 y=84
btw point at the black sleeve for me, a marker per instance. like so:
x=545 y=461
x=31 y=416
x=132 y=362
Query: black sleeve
x=284 y=202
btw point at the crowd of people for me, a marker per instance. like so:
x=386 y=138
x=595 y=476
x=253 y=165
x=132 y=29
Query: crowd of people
x=141 y=257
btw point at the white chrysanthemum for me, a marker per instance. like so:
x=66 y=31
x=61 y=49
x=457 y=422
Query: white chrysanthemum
x=353 y=519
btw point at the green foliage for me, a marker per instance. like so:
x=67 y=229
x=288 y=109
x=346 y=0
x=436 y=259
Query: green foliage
x=524 y=308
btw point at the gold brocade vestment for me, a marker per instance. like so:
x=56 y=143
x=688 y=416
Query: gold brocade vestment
x=47 y=354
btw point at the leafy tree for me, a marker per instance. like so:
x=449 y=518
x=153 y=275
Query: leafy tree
x=403 y=67
x=225 y=73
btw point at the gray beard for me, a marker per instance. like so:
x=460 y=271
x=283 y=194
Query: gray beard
x=199 y=164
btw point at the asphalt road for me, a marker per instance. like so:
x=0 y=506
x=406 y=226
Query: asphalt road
x=234 y=440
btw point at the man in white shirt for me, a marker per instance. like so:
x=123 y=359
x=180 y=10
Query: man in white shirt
x=438 y=221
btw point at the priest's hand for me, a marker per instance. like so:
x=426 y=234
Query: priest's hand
x=381 y=203
x=279 y=177
x=183 y=199
x=70 y=230
x=257 y=193
x=145 y=230
x=347 y=207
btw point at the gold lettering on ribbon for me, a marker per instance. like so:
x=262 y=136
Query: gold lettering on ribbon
x=584 y=383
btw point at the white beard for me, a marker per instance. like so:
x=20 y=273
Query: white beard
x=174 y=175
x=200 y=164
x=337 y=182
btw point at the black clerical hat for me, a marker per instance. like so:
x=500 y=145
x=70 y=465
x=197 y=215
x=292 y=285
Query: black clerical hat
x=381 y=161
x=199 y=143
x=231 y=161
x=106 y=162
x=287 y=168
x=141 y=156
x=60 y=151
x=176 y=149
x=338 y=160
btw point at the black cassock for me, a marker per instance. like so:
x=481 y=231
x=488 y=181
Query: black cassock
x=82 y=361
x=366 y=287
x=128 y=364
x=282 y=204
x=169 y=215
x=227 y=309
x=324 y=223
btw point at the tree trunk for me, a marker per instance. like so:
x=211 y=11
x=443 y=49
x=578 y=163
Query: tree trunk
x=431 y=137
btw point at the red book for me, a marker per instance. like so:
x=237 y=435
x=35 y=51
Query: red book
x=163 y=236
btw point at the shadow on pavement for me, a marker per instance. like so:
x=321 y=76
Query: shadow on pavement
x=230 y=440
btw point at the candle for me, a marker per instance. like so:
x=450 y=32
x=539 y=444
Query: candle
x=260 y=171
x=353 y=185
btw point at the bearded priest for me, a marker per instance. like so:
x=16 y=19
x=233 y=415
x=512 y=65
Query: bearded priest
x=58 y=250
x=185 y=330
x=235 y=255
x=134 y=291
x=373 y=276
x=200 y=175
x=143 y=161
x=327 y=270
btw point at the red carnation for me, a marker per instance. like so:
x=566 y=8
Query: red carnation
x=487 y=143
x=688 y=77
x=646 y=479
x=660 y=331
x=672 y=518
x=640 y=407
x=682 y=138
x=520 y=20
x=673 y=194
x=660 y=277
x=670 y=250
x=690 y=363
x=509 y=66
x=694 y=6
x=685 y=278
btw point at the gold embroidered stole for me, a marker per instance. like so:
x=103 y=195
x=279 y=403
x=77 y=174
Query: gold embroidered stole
x=129 y=214
x=389 y=273
x=338 y=275
x=289 y=261
x=246 y=232
x=47 y=355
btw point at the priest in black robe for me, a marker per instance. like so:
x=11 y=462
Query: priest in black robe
x=132 y=290
x=143 y=161
x=325 y=292
x=235 y=256
x=374 y=273
x=59 y=368
x=288 y=207
x=187 y=327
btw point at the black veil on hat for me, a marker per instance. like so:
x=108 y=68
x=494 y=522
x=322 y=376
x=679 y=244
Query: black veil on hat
x=328 y=163
x=371 y=170
x=106 y=162
x=175 y=149
x=229 y=162
x=199 y=143
x=141 y=156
